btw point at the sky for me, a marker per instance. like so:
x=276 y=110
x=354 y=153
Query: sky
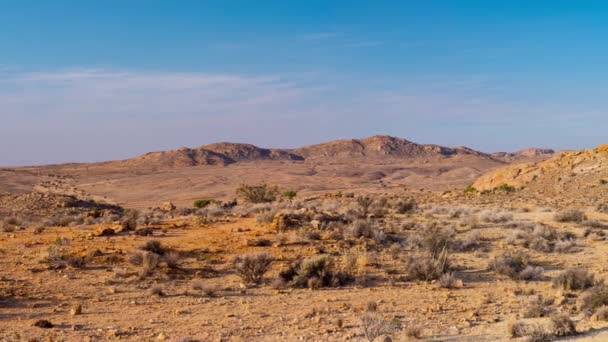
x=88 y=81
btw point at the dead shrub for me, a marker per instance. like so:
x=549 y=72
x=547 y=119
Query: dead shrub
x=570 y=215
x=538 y=306
x=574 y=279
x=318 y=270
x=404 y=205
x=516 y=266
x=374 y=325
x=129 y=220
x=516 y=329
x=428 y=267
x=449 y=281
x=149 y=262
x=496 y=216
x=153 y=246
x=434 y=239
x=252 y=267
x=593 y=298
x=561 y=325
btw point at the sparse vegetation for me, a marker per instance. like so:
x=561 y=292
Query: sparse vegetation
x=504 y=187
x=202 y=203
x=252 y=267
x=574 y=279
x=290 y=194
x=570 y=215
x=516 y=266
x=261 y=193
x=375 y=325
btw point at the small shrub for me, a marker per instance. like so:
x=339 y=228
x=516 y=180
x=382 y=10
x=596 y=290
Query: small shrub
x=514 y=265
x=375 y=325
x=516 y=329
x=531 y=273
x=449 y=281
x=405 y=205
x=428 y=267
x=561 y=325
x=153 y=246
x=149 y=262
x=574 y=279
x=129 y=221
x=504 y=187
x=202 y=203
x=320 y=269
x=496 y=216
x=252 y=267
x=537 y=307
x=470 y=189
x=603 y=181
x=261 y=193
x=570 y=215
x=593 y=298
x=538 y=333
x=290 y=194
x=360 y=228
x=435 y=239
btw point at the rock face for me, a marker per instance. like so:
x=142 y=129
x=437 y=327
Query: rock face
x=379 y=146
x=566 y=171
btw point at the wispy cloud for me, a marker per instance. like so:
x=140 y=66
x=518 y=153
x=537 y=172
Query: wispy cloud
x=89 y=114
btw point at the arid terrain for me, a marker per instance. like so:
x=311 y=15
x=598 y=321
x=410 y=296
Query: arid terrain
x=375 y=239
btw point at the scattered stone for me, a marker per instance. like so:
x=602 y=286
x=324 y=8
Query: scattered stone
x=76 y=310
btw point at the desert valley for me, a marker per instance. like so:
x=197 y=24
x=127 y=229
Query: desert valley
x=374 y=239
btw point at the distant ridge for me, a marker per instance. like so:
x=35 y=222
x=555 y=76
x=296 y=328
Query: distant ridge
x=380 y=145
x=225 y=153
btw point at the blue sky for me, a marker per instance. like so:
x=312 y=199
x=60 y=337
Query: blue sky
x=99 y=80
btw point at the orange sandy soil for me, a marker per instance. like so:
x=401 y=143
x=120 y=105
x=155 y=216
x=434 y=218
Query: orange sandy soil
x=123 y=309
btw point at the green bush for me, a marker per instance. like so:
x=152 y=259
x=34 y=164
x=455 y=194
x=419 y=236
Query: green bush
x=470 y=189
x=505 y=188
x=290 y=194
x=201 y=203
x=261 y=193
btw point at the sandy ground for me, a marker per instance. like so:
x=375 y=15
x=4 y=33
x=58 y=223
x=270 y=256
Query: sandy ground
x=123 y=307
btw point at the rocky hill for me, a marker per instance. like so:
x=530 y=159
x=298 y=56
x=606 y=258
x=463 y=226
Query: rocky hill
x=225 y=153
x=575 y=172
x=379 y=146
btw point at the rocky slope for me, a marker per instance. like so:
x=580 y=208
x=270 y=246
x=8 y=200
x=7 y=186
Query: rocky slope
x=574 y=172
